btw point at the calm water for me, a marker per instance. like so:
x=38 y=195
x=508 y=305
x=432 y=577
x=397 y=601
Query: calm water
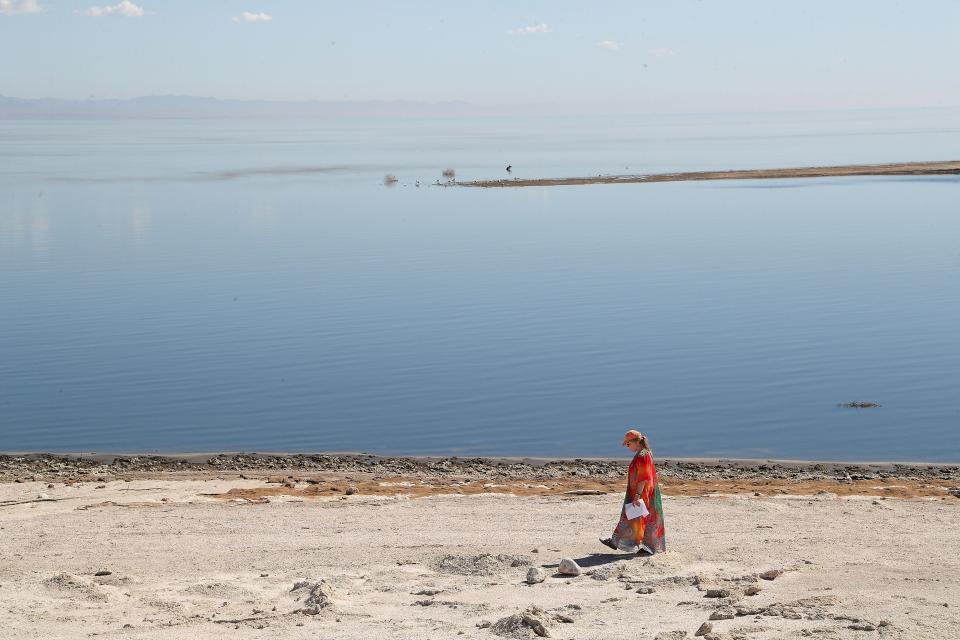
x=249 y=285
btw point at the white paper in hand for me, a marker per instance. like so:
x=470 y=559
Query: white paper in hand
x=636 y=512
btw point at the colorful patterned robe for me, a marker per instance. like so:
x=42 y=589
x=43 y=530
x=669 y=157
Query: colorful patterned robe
x=648 y=529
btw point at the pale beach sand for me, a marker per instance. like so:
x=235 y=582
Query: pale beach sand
x=208 y=554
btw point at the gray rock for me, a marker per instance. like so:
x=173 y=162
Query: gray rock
x=103 y=572
x=536 y=575
x=863 y=626
x=752 y=590
x=519 y=625
x=671 y=635
x=772 y=574
x=717 y=593
x=645 y=590
x=317 y=596
x=704 y=629
x=568 y=567
x=723 y=613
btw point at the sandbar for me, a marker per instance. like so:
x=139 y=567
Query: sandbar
x=950 y=167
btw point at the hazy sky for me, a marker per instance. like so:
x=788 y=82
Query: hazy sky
x=688 y=55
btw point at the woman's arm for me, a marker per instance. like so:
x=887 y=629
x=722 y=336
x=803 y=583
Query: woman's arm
x=639 y=492
x=640 y=478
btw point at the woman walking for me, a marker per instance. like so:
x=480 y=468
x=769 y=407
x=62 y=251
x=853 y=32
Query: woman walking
x=641 y=519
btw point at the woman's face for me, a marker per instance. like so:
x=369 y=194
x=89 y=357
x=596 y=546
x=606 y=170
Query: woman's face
x=633 y=445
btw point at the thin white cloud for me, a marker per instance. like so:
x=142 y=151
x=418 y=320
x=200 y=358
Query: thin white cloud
x=609 y=45
x=246 y=16
x=19 y=7
x=662 y=52
x=124 y=8
x=526 y=31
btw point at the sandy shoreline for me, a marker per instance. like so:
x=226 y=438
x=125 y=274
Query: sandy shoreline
x=215 y=546
x=951 y=167
x=187 y=554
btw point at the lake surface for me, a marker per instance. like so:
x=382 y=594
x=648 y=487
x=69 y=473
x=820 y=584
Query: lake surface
x=250 y=285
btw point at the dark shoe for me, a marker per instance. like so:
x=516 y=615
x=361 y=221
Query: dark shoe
x=607 y=542
x=644 y=551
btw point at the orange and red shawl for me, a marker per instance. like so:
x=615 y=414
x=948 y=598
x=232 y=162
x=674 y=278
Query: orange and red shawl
x=648 y=529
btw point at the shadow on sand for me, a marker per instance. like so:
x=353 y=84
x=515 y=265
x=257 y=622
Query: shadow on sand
x=595 y=560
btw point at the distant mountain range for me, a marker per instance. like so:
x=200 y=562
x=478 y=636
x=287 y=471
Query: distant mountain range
x=198 y=107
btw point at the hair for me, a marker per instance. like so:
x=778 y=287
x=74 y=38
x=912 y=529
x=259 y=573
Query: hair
x=644 y=443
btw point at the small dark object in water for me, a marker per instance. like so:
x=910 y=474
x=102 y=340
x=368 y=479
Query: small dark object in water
x=449 y=173
x=859 y=405
x=509 y=168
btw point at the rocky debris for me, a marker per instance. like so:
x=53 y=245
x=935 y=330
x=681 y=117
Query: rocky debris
x=314 y=596
x=103 y=572
x=427 y=592
x=804 y=608
x=670 y=635
x=704 y=629
x=73 y=468
x=666 y=582
x=646 y=590
x=606 y=573
x=531 y=622
x=752 y=590
x=484 y=564
x=724 y=613
x=68 y=585
x=771 y=574
x=568 y=567
x=815 y=601
x=536 y=575
x=425 y=603
x=954 y=491
x=717 y=593
x=862 y=626
x=216 y=590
